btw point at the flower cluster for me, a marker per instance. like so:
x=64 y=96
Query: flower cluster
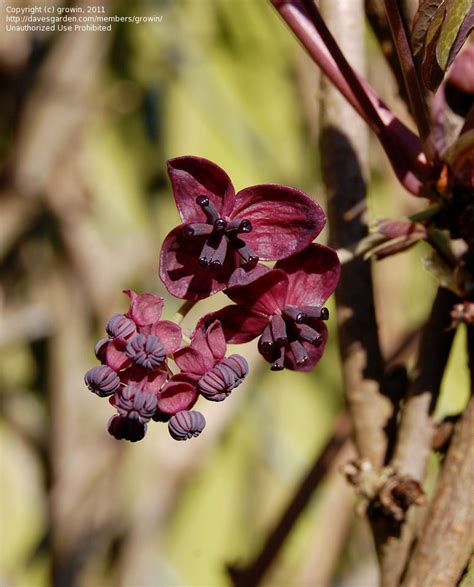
x=218 y=246
x=136 y=375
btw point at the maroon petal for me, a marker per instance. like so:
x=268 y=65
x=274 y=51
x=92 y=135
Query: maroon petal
x=169 y=334
x=199 y=357
x=313 y=275
x=191 y=361
x=314 y=352
x=149 y=382
x=194 y=176
x=216 y=340
x=178 y=394
x=239 y=324
x=145 y=308
x=115 y=356
x=284 y=220
x=180 y=272
x=266 y=294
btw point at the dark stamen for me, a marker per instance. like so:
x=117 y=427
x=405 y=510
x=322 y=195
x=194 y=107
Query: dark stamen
x=266 y=340
x=278 y=327
x=208 y=208
x=279 y=360
x=219 y=256
x=245 y=226
x=239 y=226
x=220 y=225
x=309 y=334
x=197 y=229
x=249 y=257
x=295 y=314
x=301 y=356
x=315 y=312
x=324 y=314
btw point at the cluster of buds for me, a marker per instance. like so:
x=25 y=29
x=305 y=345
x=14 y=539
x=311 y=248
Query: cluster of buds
x=218 y=247
x=136 y=375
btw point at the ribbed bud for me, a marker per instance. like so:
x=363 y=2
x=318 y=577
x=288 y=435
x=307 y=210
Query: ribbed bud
x=136 y=404
x=217 y=383
x=119 y=326
x=146 y=351
x=123 y=428
x=102 y=380
x=186 y=424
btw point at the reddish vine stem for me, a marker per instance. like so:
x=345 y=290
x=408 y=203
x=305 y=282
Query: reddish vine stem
x=379 y=24
x=410 y=76
x=401 y=145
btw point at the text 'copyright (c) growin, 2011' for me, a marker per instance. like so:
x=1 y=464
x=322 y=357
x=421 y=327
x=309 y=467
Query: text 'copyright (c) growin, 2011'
x=46 y=18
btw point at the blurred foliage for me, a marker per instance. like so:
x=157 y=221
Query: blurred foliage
x=222 y=79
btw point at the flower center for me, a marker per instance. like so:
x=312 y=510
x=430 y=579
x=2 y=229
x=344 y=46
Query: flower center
x=222 y=235
x=147 y=351
x=296 y=324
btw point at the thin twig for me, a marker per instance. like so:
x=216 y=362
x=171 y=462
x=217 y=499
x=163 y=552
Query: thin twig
x=252 y=574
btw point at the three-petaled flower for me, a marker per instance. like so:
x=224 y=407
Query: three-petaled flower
x=204 y=361
x=139 y=338
x=223 y=230
x=284 y=306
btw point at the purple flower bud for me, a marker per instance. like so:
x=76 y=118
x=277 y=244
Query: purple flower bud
x=146 y=351
x=119 y=326
x=102 y=380
x=123 y=428
x=136 y=404
x=216 y=384
x=186 y=424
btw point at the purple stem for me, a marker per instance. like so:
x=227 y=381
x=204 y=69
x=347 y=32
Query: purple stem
x=410 y=76
x=402 y=147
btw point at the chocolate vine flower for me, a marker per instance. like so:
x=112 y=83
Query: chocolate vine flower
x=204 y=361
x=284 y=306
x=139 y=338
x=222 y=230
x=135 y=407
x=185 y=425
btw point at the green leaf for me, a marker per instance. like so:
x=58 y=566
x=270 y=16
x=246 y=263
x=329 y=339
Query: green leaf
x=426 y=13
x=456 y=12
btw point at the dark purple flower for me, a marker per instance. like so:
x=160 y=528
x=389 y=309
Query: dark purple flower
x=228 y=374
x=284 y=306
x=222 y=230
x=102 y=380
x=139 y=337
x=146 y=351
x=204 y=362
x=186 y=424
x=135 y=407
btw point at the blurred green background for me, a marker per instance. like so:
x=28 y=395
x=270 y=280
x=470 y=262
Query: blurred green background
x=87 y=123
